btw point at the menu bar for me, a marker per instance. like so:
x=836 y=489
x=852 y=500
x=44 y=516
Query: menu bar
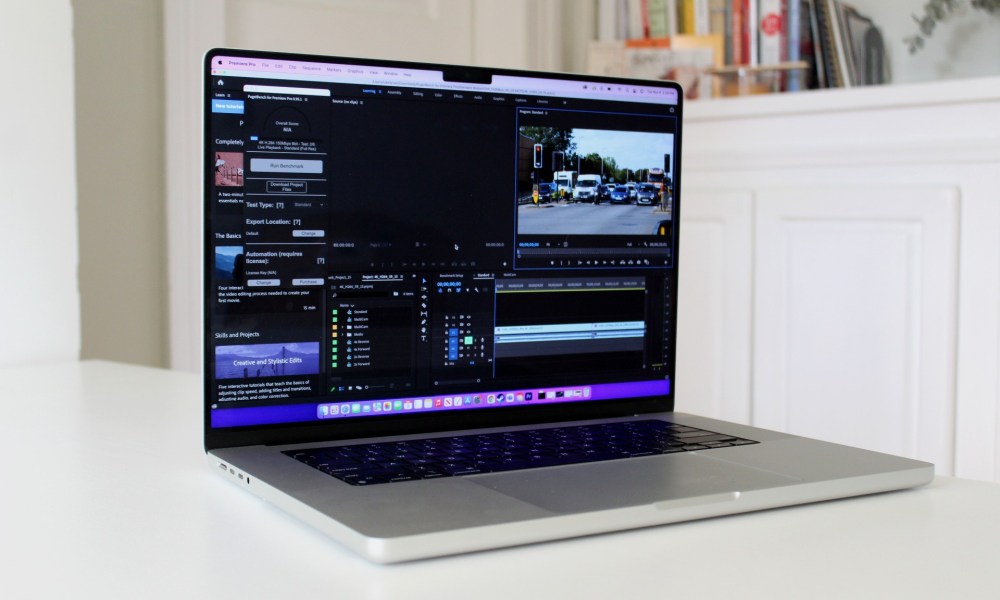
x=290 y=70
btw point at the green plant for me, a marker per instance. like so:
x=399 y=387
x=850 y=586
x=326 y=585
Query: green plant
x=938 y=11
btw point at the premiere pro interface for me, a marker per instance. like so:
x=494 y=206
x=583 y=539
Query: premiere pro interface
x=382 y=241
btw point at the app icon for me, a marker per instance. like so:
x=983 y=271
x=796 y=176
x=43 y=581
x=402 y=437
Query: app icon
x=447 y=402
x=367 y=408
x=500 y=397
x=490 y=399
x=324 y=410
x=387 y=406
x=397 y=405
x=418 y=404
x=355 y=408
x=408 y=405
x=520 y=397
x=437 y=403
x=377 y=407
x=528 y=396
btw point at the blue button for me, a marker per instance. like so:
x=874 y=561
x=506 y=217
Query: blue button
x=234 y=107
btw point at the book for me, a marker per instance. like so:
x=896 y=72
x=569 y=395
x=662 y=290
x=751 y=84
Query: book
x=657 y=17
x=702 y=17
x=827 y=42
x=638 y=26
x=811 y=50
x=694 y=17
x=838 y=44
x=750 y=20
x=793 y=43
x=770 y=32
x=607 y=20
x=737 y=32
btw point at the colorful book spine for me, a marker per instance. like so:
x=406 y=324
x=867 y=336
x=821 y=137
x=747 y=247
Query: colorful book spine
x=694 y=17
x=738 y=32
x=771 y=32
x=702 y=17
x=637 y=23
x=659 y=23
x=750 y=43
x=793 y=52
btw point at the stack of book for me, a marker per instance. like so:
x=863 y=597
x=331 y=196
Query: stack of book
x=730 y=47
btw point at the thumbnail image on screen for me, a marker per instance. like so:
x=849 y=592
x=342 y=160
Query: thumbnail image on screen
x=250 y=361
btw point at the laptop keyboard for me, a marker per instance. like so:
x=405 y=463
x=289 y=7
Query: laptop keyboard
x=385 y=462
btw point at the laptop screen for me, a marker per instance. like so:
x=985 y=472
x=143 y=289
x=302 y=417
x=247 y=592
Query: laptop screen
x=387 y=240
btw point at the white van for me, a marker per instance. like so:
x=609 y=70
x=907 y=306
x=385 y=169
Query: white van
x=565 y=180
x=587 y=188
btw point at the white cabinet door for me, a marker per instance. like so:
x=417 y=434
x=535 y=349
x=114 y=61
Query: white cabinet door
x=855 y=316
x=876 y=263
x=715 y=305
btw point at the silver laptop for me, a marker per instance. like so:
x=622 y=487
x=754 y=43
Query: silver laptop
x=441 y=316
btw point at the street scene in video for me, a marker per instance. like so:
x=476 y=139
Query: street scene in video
x=593 y=181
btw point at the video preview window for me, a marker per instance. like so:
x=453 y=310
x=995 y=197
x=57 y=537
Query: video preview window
x=595 y=189
x=587 y=174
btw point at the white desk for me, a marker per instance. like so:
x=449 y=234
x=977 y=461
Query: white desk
x=105 y=493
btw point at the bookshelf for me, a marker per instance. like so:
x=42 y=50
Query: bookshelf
x=845 y=43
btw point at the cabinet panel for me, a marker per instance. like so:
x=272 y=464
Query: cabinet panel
x=855 y=317
x=714 y=305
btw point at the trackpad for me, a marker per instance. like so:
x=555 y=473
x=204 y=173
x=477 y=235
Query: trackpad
x=634 y=482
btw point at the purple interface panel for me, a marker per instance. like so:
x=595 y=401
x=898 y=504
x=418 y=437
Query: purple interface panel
x=294 y=413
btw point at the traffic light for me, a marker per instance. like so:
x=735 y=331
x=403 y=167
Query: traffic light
x=538 y=156
x=557 y=160
x=666 y=164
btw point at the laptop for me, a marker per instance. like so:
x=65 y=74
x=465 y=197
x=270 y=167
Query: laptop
x=441 y=310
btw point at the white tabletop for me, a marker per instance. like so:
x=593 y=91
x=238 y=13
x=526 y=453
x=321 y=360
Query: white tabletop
x=106 y=493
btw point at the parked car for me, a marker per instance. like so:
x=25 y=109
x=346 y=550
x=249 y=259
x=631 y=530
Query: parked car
x=633 y=193
x=619 y=195
x=647 y=193
x=547 y=192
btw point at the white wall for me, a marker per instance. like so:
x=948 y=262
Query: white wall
x=39 y=297
x=120 y=156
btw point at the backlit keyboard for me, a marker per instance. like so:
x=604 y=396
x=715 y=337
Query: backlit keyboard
x=385 y=462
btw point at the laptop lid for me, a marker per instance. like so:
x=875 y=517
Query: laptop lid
x=399 y=247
